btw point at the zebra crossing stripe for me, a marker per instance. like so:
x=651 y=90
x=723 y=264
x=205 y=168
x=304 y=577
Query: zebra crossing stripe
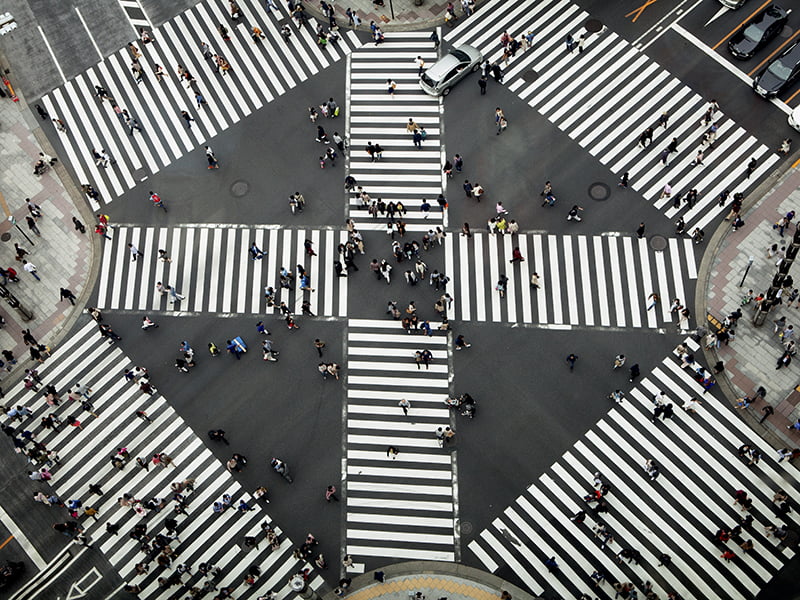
x=259 y=73
x=600 y=111
x=650 y=516
x=100 y=366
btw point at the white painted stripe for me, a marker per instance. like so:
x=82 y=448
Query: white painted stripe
x=555 y=284
x=569 y=271
x=616 y=280
x=584 y=264
x=398 y=552
x=633 y=291
x=121 y=237
x=524 y=284
x=214 y=272
x=243 y=279
x=663 y=287
x=480 y=286
x=647 y=282
x=483 y=556
x=511 y=291
x=155 y=297
x=541 y=295
x=691 y=265
x=133 y=267
x=395 y=505
x=255 y=293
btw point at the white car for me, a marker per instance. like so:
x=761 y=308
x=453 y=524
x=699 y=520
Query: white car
x=794 y=119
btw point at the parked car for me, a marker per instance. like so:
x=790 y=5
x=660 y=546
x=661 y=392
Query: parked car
x=758 y=32
x=439 y=79
x=779 y=74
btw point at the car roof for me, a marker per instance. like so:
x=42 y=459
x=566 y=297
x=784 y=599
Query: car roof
x=443 y=66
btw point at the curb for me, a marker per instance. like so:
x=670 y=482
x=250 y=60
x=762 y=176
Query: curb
x=421 y=567
x=701 y=293
x=82 y=208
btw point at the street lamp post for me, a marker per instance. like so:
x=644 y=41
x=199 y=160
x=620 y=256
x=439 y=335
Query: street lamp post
x=746 y=270
x=13 y=221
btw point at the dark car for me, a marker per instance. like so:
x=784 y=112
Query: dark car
x=779 y=74
x=757 y=32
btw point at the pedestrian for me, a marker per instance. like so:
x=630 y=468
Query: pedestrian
x=66 y=294
x=640 y=231
x=330 y=493
x=31 y=268
x=213 y=163
x=135 y=252
x=654 y=299
x=188 y=118
x=32 y=225
x=663 y=119
x=634 y=372
x=405 y=405
x=751 y=166
x=482 y=84
x=500 y=120
x=571 y=361
x=78 y=225
x=572 y=215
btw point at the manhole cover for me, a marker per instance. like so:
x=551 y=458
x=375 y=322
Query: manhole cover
x=5 y=237
x=465 y=527
x=658 y=242
x=593 y=25
x=599 y=191
x=529 y=76
x=140 y=174
x=240 y=188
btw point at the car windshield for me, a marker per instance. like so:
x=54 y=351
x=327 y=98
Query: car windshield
x=427 y=80
x=755 y=31
x=460 y=55
x=780 y=69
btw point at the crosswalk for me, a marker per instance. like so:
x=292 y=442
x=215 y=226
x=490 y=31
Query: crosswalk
x=605 y=97
x=204 y=536
x=213 y=268
x=259 y=72
x=405 y=174
x=401 y=508
x=594 y=281
x=674 y=514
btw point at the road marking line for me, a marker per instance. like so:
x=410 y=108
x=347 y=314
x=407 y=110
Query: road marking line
x=22 y=539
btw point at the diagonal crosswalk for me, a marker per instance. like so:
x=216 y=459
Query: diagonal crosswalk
x=203 y=536
x=213 y=268
x=671 y=514
x=401 y=508
x=405 y=174
x=595 y=281
x=259 y=72
x=605 y=97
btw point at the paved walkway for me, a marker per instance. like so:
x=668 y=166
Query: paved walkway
x=64 y=257
x=395 y=14
x=433 y=580
x=751 y=358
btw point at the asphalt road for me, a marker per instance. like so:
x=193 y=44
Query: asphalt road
x=531 y=408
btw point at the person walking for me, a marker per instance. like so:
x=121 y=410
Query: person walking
x=640 y=230
x=405 y=405
x=213 y=163
x=330 y=494
x=66 y=294
x=571 y=359
x=31 y=268
x=319 y=345
x=135 y=252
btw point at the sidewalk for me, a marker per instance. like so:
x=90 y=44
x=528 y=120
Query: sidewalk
x=64 y=257
x=407 y=16
x=751 y=358
x=433 y=580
